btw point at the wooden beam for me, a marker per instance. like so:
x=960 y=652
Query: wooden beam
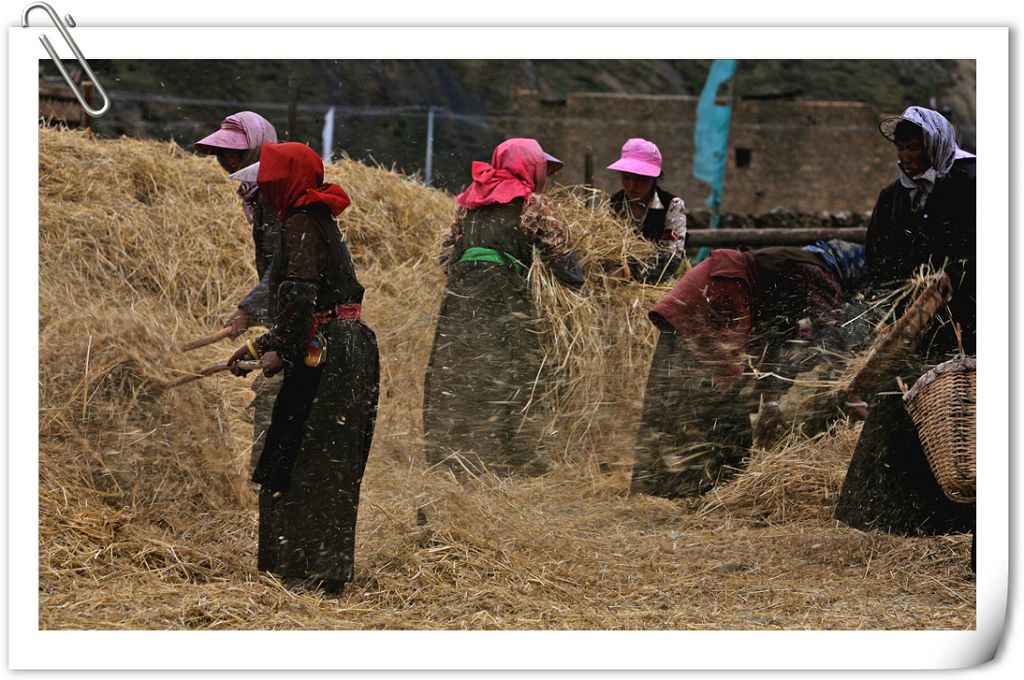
x=290 y=133
x=723 y=238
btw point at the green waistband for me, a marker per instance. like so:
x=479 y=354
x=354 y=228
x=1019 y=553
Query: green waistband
x=478 y=254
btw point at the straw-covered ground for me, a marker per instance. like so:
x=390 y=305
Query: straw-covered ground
x=146 y=520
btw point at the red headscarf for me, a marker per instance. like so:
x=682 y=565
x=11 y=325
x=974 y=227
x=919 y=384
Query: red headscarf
x=517 y=167
x=711 y=307
x=291 y=175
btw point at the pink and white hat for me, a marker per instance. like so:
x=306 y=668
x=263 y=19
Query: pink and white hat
x=242 y=131
x=639 y=157
x=231 y=135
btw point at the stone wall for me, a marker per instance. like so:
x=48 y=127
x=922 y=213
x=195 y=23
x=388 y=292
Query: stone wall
x=805 y=157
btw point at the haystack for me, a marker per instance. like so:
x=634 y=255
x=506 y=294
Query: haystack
x=147 y=521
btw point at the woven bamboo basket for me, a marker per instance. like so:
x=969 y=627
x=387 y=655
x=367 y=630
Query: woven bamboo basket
x=942 y=405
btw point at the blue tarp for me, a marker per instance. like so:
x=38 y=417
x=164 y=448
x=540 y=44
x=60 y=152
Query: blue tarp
x=711 y=137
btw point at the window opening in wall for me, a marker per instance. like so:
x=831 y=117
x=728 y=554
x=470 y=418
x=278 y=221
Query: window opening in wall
x=743 y=158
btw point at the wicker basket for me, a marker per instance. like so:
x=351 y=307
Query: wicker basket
x=943 y=407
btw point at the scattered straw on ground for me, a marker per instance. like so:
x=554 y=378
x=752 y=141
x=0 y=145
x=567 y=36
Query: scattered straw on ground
x=147 y=522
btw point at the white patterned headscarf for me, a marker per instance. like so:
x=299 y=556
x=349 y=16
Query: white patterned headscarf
x=939 y=139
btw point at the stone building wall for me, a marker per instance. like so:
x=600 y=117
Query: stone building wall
x=800 y=156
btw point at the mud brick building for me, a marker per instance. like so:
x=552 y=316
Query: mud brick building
x=804 y=156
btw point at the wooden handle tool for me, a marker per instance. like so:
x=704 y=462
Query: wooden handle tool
x=208 y=340
x=209 y=370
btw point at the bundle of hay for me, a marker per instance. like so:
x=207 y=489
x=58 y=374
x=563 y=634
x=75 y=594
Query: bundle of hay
x=796 y=481
x=598 y=341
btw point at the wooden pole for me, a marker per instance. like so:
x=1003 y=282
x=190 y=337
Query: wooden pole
x=724 y=238
x=293 y=105
x=588 y=172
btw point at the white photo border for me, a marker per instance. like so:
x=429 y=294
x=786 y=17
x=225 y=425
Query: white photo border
x=31 y=648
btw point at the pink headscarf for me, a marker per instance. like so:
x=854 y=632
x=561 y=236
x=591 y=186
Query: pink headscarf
x=244 y=131
x=518 y=166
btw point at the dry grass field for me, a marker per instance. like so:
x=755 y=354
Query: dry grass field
x=146 y=520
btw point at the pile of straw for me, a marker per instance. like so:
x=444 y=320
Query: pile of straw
x=147 y=520
x=597 y=342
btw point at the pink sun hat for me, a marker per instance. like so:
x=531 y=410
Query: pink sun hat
x=639 y=157
x=229 y=136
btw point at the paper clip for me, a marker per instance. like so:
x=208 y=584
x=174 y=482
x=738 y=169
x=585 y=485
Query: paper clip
x=95 y=113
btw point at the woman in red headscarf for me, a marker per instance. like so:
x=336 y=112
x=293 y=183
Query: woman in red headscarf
x=774 y=310
x=322 y=426
x=486 y=355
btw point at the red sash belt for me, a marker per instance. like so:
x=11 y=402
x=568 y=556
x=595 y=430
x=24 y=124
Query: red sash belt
x=349 y=312
x=316 y=344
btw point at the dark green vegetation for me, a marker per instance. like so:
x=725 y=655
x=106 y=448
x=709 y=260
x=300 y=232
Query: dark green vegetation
x=182 y=99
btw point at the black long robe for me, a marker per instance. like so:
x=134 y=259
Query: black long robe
x=322 y=427
x=888 y=485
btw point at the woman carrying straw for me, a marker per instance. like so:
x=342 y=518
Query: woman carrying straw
x=322 y=426
x=926 y=217
x=735 y=308
x=237 y=145
x=653 y=213
x=486 y=356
